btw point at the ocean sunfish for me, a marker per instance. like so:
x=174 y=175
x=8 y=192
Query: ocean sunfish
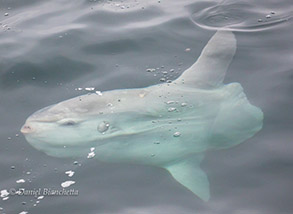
x=169 y=125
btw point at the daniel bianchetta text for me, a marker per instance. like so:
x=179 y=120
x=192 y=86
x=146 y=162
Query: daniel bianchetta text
x=44 y=192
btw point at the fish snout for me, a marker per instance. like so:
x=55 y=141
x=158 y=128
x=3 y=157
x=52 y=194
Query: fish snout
x=26 y=129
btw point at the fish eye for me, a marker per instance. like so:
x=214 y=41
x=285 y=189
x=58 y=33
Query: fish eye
x=68 y=123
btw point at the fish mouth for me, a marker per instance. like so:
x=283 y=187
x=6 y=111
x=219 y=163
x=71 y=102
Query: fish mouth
x=26 y=129
x=32 y=122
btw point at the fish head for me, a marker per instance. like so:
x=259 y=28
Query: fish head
x=72 y=124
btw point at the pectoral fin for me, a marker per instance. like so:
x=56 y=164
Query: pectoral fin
x=189 y=174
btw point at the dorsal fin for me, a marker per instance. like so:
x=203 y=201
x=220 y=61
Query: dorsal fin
x=210 y=68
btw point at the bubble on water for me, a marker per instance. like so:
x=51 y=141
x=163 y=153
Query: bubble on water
x=187 y=49
x=23 y=212
x=103 y=127
x=183 y=104
x=75 y=162
x=23 y=203
x=99 y=93
x=157 y=142
x=12 y=167
x=163 y=79
x=268 y=16
x=153 y=155
x=40 y=197
x=150 y=69
x=6 y=14
x=9 y=138
x=67 y=184
x=91 y=155
x=20 y=181
x=70 y=173
x=176 y=134
x=90 y=89
x=170 y=102
x=259 y=20
x=4 y=193
x=273 y=12
x=6 y=198
x=171 y=109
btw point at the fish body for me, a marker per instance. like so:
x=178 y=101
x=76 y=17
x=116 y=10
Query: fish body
x=169 y=125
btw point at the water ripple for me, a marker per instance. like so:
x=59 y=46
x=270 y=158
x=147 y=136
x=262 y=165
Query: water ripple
x=238 y=17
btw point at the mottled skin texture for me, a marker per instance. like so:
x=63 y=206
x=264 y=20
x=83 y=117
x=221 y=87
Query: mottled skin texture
x=169 y=125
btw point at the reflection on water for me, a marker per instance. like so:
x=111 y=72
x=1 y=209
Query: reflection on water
x=51 y=49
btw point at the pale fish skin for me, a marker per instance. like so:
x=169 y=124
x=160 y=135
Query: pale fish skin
x=169 y=125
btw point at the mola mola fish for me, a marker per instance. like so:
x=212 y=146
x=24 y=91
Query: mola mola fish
x=169 y=125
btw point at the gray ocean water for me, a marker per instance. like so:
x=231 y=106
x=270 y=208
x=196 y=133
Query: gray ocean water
x=49 y=49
